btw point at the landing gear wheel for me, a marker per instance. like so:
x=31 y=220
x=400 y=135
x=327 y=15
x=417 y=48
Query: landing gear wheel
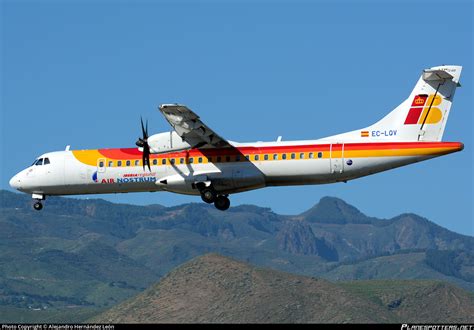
x=222 y=203
x=208 y=195
x=37 y=206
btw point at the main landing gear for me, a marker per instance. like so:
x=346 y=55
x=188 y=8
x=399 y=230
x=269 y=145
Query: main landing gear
x=209 y=195
x=222 y=203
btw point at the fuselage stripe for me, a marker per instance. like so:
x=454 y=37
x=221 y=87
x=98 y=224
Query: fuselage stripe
x=351 y=150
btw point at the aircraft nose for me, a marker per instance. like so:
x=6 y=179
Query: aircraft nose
x=15 y=182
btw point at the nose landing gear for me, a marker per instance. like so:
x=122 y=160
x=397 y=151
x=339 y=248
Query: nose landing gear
x=38 y=206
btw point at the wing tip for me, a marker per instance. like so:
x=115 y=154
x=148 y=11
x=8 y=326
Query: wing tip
x=166 y=105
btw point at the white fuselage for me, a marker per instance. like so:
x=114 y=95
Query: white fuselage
x=229 y=170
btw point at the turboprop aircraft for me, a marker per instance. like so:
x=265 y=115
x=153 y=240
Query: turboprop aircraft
x=193 y=159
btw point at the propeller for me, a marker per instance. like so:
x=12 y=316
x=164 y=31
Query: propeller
x=143 y=143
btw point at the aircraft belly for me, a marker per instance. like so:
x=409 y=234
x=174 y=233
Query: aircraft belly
x=100 y=189
x=225 y=178
x=289 y=172
x=318 y=171
x=365 y=166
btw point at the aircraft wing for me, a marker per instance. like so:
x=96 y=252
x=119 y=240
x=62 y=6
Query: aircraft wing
x=190 y=128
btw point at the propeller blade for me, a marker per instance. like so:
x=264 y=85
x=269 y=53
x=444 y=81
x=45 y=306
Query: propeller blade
x=143 y=143
x=144 y=132
x=139 y=142
x=146 y=156
x=146 y=129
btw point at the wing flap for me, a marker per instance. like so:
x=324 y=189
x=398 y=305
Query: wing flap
x=190 y=128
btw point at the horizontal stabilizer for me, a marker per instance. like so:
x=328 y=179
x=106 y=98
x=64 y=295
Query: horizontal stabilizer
x=441 y=73
x=429 y=75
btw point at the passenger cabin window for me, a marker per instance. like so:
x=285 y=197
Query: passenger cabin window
x=163 y=161
x=218 y=159
x=111 y=163
x=237 y=158
x=320 y=154
x=200 y=160
x=128 y=163
x=275 y=156
x=137 y=162
x=101 y=163
x=247 y=157
x=293 y=156
x=119 y=163
x=191 y=160
x=302 y=155
x=227 y=158
x=172 y=161
x=46 y=161
x=181 y=160
x=256 y=157
x=155 y=161
x=283 y=156
x=39 y=162
x=311 y=155
x=265 y=157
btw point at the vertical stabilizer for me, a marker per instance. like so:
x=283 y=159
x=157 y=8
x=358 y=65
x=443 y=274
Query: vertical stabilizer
x=421 y=117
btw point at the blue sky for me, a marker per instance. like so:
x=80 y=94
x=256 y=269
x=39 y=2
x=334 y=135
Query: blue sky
x=82 y=73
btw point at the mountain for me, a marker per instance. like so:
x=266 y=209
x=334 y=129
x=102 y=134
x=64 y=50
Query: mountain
x=217 y=289
x=335 y=211
x=81 y=256
x=297 y=237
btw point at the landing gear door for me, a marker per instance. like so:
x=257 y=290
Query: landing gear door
x=237 y=176
x=337 y=158
x=248 y=177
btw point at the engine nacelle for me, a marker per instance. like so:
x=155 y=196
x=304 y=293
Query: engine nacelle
x=166 y=142
x=181 y=184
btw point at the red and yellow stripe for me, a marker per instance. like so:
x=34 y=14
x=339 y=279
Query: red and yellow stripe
x=347 y=150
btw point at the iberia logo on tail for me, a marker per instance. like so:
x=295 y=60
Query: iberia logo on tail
x=423 y=110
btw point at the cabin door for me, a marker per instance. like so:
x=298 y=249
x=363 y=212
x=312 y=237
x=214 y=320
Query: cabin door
x=337 y=158
x=101 y=165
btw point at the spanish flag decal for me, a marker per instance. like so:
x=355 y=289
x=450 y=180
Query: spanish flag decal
x=364 y=133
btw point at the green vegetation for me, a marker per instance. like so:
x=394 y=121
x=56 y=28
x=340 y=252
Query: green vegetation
x=457 y=263
x=92 y=254
x=216 y=289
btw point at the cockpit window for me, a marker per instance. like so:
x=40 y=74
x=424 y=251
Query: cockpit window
x=41 y=161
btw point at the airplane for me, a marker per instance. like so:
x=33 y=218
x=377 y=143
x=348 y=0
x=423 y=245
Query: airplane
x=193 y=159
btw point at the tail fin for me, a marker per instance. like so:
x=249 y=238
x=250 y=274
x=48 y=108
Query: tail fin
x=421 y=117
